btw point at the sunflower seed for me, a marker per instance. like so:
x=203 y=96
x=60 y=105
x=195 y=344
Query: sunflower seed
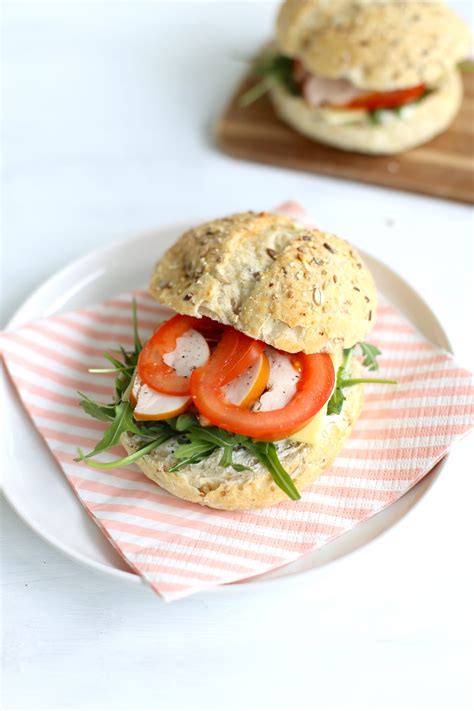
x=318 y=296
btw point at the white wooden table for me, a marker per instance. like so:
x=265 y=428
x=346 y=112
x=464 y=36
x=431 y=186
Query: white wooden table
x=108 y=118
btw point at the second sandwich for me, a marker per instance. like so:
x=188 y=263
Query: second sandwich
x=373 y=76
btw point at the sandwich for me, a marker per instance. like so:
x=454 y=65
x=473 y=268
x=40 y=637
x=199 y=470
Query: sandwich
x=371 y=76
x=248 y=391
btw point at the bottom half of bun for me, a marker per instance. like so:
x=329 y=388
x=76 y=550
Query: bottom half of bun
x=209 y=484
x=415 y=124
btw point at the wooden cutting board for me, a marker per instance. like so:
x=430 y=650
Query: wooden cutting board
x=444 y=167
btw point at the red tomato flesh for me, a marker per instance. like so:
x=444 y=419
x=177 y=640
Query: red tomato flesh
x=313 y=390
x=153 y=370
x=385 y=100
x=237 y=352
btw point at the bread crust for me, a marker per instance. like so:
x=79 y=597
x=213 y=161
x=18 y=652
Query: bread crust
x=379 y=45
x=208 y=484
x=418 y=123
x=295 y=288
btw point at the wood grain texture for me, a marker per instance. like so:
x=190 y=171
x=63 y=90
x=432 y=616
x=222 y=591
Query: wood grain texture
x=444 y=167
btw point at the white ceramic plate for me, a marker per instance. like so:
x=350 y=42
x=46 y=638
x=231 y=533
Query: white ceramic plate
x=31 y=471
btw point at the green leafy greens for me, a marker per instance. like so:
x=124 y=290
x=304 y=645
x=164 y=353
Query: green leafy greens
x=376 y=116
x=194 y=442
x=466 y=66
x=273 y=69
x=202 y=441
x=343 y=380
x=370 y=354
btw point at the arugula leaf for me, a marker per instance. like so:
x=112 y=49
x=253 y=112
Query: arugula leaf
x=118 y=365
x=130 y=358
x=124 y=461
x=258 y=90
x=192 y=453
x=226 y=459
x=122 y=381
x=370 y=354
x=240 y=467
x=337 y=398
x=136 y=336
x=97 y=410
x=376 y=117
x=109 y=370
x=203 y=441
x=193 y=449
x=267 y=455
x=274 y=69
x=357 y=381
x=122 y=422
x=214 y=435
x=184 y=422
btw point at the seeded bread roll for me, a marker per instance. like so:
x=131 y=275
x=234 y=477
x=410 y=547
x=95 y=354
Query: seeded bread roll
x=295 y=288
x=380 y=45
x=413 y=125
x=209 y=484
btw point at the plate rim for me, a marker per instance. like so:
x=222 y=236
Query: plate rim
x=16 y=321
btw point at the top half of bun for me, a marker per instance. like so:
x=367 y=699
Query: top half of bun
x=379 y=45
x=295 y=288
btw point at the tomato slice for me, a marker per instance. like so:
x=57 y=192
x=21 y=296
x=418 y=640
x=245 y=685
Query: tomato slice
x=211 y=330
x=234 y=354
x=385 y=100
x=313 y=390
x=153 y=371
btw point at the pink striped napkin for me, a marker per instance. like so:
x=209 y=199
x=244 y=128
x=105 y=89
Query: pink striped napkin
x=180 y=548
